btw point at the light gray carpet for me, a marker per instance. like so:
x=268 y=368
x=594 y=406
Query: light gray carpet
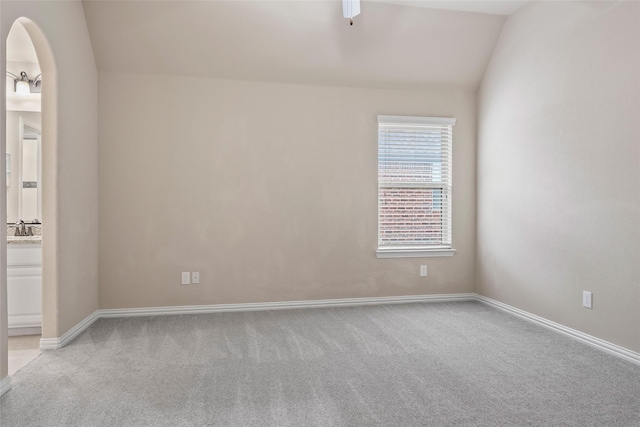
x=436 y=364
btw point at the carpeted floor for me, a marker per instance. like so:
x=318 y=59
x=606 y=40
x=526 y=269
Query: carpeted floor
x=434 y=364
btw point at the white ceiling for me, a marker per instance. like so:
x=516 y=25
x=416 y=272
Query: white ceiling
x=307 y=42
x=496 y=7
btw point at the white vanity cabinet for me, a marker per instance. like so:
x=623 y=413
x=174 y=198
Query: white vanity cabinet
x=24 y=288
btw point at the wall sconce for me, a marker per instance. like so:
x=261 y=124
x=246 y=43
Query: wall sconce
x=24 y=86
x=350 y=8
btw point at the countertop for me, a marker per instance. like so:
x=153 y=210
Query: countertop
x=23 y=240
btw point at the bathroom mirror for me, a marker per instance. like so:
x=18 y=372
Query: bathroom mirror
x=24 y=166
x=30 y=197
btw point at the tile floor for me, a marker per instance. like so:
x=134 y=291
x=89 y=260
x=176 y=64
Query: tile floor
x=22 y=350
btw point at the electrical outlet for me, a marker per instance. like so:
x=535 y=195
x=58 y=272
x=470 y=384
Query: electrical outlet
x=186 y=278
x=587 y=299
x=423 y=270
x=195 y=277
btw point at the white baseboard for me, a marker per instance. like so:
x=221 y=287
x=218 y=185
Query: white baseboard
x=24 y=320
x=16 y=332
x=603 y=345
x=56 y=343
x=285 y=305
x=5 y=385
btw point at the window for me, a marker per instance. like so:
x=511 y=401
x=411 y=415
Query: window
x=414 y=186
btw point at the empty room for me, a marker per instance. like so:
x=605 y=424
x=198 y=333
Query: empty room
x=320 y=213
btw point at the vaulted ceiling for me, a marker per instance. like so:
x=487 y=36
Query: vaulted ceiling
x=391 y=44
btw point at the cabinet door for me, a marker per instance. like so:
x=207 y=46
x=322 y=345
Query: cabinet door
x=24 y=285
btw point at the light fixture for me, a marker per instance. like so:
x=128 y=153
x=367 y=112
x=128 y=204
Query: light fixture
x=23 y=86
x=350 y=8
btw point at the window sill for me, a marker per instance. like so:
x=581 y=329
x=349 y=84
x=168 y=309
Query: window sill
x=414 y=253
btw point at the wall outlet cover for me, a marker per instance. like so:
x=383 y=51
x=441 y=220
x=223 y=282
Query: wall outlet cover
x=186 y=278
x=587 y=299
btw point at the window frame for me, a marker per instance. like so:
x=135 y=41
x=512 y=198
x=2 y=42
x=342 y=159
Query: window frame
x=415 y=251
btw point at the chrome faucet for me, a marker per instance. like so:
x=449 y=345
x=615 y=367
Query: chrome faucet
x=22 y=230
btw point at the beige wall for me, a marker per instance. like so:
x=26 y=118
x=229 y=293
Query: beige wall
x=69 y=139
x=268 y=190
x=559 y=167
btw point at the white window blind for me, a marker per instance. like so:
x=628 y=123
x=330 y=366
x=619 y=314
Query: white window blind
x=414 y=182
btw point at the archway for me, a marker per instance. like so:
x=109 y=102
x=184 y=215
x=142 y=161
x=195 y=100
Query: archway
x=49 y=178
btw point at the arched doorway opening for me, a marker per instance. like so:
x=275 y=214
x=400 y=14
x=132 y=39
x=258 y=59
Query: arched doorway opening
x=24 y=202
x=45 y=183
